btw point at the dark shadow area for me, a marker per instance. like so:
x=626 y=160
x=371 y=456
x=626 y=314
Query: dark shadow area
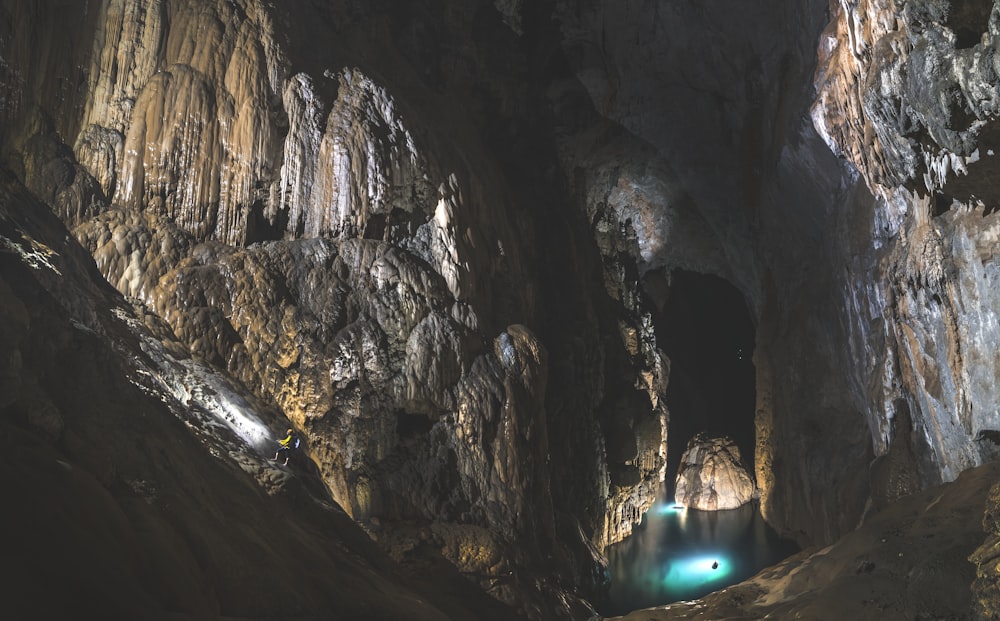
x=969 y=19
x=706 y=330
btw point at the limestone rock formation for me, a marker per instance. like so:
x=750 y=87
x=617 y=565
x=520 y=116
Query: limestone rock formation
x=333 y=230
x=434 y=236
x=142 y=497
x=711 y=476
x=909 y=95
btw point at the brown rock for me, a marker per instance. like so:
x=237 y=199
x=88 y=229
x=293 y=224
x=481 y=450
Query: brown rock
x=711 y=476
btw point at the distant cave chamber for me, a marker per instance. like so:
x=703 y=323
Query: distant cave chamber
x=705 y=328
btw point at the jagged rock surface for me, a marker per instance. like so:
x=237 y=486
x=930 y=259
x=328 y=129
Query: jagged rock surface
x=358 y=259
x=134 y=501
x=433 y=237
x=711 y=476
x=909 y=94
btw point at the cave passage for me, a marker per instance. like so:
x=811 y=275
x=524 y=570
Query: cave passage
x=706 y=330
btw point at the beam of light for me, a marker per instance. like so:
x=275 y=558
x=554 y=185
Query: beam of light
x=195 y=391
x=211 y=393
x=692 y=572
x=673 y=508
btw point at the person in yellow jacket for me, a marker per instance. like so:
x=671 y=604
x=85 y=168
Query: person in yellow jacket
x=288 y=444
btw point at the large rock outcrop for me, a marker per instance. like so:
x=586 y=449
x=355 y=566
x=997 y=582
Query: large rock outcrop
x=909 y=95
x=711 y=476
x=138 y=501
x=345 y=240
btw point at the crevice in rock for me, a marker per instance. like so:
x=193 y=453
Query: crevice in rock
x=968 y=19
x=942 y=203
x=260 y=229
x=410 y=425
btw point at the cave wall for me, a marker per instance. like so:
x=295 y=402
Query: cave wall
x=744 y=188
x=908 y=94
x=358 y=233
x=856 y=218
x=434 y=238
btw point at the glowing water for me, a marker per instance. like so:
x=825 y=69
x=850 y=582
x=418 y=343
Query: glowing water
x=679 y=554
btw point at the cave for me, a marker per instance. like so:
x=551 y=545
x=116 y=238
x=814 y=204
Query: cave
x=707 y=332
x=704 y=325
x=495 y=261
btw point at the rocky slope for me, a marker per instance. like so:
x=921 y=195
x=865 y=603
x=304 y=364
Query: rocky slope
x=129 y=501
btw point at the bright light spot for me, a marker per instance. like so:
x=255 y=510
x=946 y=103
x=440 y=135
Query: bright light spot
x=695 y=571
x=196 y=392
x=242 y=420
x=670 y=507
x=37 y=256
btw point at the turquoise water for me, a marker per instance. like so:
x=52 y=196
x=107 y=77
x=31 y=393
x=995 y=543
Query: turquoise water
x=679 y=554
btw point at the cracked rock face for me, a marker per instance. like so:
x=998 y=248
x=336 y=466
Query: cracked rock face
x=908 y=94
x=711 y=476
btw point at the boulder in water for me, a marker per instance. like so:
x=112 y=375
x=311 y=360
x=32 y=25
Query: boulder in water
x=711 y=475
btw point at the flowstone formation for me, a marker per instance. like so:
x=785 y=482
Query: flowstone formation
x=910 y=95
x=711 y=475
x=434 y=236
x=331 y=226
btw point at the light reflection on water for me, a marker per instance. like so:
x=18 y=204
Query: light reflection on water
x=670 y=556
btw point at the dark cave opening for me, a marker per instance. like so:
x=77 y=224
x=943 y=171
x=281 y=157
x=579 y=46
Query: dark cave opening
x=706 y=330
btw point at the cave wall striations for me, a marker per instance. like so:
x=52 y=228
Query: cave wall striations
x=301 y=230
x=910 y=95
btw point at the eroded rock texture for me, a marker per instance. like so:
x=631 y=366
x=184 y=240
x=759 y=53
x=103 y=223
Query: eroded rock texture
x=711 y=476
x=435 y=236
x=909 y=94
x=344 y=239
